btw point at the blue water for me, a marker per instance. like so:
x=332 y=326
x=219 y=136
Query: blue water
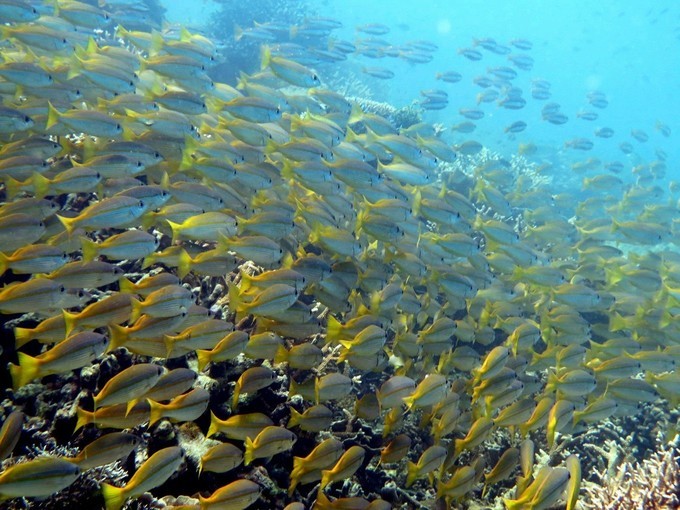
x=629 y=49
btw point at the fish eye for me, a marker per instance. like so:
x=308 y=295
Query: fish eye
x=62 y=288
x=119 y=127
x=141 y=203
x=27 y=118
x=139 y=164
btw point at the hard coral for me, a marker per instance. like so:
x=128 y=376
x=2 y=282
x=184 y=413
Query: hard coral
x=653 y=484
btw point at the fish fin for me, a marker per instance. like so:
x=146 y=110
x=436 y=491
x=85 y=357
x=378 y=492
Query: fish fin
x=326 y=475
x=281 y=355
x=52 y=115
x=131 y=403
x=69 y=223
x=295 y=418
x=250 y=449
x=156 y=411
x=237 y=392
x=89 y=248
x=25 y=371
x=118 y=337
x=84 y=417
x=184 y=263
x=203 y=358
x=176 y=231
x=41 y=185
x=114 y=497
x=214 y=425
x=4 y=262
x=126 y=286
x=22 y=336
x=411 y=473
x=137 y=309
x=70 y=321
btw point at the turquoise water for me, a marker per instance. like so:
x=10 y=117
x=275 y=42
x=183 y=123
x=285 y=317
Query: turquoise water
x=629 y=50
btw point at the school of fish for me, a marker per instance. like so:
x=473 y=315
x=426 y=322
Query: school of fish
x=287 y=273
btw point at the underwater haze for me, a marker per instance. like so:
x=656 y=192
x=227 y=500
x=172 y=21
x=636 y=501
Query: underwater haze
x=629 y=49
x=300 y=255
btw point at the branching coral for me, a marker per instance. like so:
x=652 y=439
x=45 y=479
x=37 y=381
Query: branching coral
x=653 y=484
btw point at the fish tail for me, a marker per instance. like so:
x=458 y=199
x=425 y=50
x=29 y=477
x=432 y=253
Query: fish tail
x=41 y=185
x=156 y=42
x=75 y=66
x=169 y=343
x=4 y=263
x=118 y=336
x=333 y=329
x=121 y=32
x=52 y=115
x=187 y=160
x=325 y=479
x=14 y=187
x=345 y=352
x=69 y=223
x=250 y=450
x=70 y=321
x=293 y=387
x=295 y=418
x=234 y=399
x=176 y=230
x=281 y=356
x=203 y=359
x=156 y=411
x=214 y=425
x=137 y=308
x=355 y=115
x=132 y=403
x=89 y=248
x=411 y=473
x=266 y=57
x=22 y=336
x=114 y=497
x=184 y=263
x=25 y=371
x=235 y=302
x=84 y=417
x=458 y=448
x=126 y=286
x=238 y=32
x=287 y=170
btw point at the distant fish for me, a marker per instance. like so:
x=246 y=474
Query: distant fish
x=587 y=115
x=626 y=148
x=470 y=53
x=597 y=99
x=381 y=73
x=449 y=76
x=464 y=127
x=664 y=129
x=373 y=29
x=504 y=72
x=471 y=113
x=522 y=44
x=639 y=135
x=516 y=127
x=604 y=132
